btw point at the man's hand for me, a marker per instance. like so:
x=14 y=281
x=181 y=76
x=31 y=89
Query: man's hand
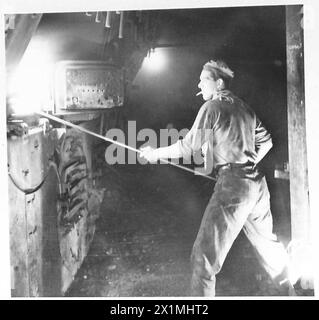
x=149 y=154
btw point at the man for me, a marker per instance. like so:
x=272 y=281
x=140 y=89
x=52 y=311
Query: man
x=235 y=141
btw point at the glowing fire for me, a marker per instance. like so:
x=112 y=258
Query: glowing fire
x=29 y=87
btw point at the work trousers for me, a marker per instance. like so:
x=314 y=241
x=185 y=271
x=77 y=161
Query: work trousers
x=240 y=201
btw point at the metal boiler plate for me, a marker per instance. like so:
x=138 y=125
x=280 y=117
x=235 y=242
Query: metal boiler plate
x=88 y=85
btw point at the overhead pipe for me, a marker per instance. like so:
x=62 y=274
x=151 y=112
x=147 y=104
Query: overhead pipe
x=108 y=20
x=121 y=24
x=97 y=20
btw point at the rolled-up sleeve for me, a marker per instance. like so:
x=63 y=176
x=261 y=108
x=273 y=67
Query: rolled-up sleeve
x=261 y=134
x=199 y=133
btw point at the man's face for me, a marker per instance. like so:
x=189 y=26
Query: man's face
x=207 y=85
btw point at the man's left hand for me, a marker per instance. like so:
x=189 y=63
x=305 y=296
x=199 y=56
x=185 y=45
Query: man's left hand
x=149 y=154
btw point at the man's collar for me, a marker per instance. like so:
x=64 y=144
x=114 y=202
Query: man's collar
x=224 y=95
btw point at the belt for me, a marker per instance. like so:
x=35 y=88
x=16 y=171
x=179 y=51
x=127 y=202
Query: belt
x=235 y=165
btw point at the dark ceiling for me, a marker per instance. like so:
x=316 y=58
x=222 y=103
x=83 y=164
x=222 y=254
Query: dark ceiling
x=242 y=31
x=237 y=32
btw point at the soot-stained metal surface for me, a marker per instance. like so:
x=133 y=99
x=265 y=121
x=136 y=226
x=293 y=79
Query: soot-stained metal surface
x=78 y=206
x=53 y=208
x=84 y=85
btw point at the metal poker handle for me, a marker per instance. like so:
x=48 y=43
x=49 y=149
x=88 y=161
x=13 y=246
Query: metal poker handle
x=72 y=125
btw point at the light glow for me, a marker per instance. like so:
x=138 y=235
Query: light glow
x=155 y=61
x=301 y=264
x=29 y=87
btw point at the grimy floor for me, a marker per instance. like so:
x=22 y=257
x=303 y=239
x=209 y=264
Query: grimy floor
x=149 y=219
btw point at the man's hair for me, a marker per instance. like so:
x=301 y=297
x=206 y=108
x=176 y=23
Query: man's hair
x=219 y=70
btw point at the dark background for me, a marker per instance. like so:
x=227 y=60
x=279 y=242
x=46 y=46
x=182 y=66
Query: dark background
x=251 y=40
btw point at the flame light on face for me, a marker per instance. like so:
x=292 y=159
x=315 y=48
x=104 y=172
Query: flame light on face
x=29 y=87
